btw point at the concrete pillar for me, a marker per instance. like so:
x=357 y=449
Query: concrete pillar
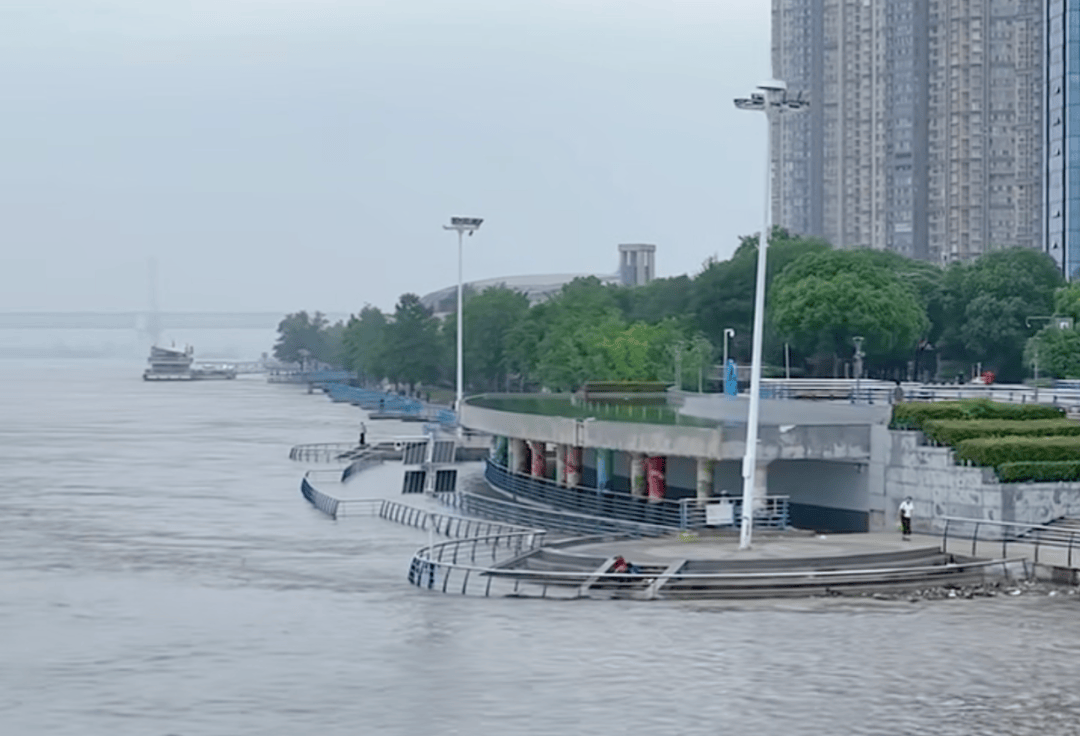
x=637 y=474
x=560 y=464
x=603 y=468
x=654 y=472
x=704 y=480
x=761 y=483
x=519 y=453
x=539 y=458
x=573 y=466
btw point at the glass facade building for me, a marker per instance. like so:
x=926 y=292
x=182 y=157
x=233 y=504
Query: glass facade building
x=1062 y=135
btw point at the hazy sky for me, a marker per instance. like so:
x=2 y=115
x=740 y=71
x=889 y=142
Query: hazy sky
x=304 y=154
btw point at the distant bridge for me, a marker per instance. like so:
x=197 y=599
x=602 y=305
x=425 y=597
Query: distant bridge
x=145 y=321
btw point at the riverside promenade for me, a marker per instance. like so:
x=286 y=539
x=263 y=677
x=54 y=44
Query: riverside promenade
x=792 y=544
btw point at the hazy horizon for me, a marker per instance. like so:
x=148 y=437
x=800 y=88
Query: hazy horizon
x=278 y=155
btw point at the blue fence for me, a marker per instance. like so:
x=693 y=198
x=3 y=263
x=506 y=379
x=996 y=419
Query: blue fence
x=385 y=402
x=327 y=504
x=319 y=376
x=686 y=513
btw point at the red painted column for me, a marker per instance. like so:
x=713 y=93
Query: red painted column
x=573 y=466
x=539 y=459
x=654 y=478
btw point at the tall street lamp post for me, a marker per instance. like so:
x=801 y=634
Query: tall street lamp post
x=728 y=332
x=462 y=225
x=771 y=98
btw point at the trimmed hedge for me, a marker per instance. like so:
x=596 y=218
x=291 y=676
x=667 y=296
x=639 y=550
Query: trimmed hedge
x=912 y=414
x=1046 y=471
x=995 y=451
x=954 y=431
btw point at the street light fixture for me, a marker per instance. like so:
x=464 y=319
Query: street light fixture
x=859 y=354
x=771 y=98
x=728 y=332
x=462 y=225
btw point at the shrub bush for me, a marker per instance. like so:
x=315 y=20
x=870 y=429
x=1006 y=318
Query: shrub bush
x=995 y=451
x=912 y=414
x=1045 y=471
x=954 y=431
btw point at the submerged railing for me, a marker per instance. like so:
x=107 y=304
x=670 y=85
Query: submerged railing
x=323 y=452
x=451 y=567
x=1025 y=536
x=686 y=513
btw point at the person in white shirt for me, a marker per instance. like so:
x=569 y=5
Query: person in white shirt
x=906 y=508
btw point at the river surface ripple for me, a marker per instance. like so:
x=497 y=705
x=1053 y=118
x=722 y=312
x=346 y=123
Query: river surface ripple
x=162 y=575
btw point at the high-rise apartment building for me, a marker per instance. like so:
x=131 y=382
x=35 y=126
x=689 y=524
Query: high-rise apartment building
x=925 y=128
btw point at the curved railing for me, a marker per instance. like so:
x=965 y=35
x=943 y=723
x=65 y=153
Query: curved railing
x=686 y=513
x=451 y=567
x=551 y=519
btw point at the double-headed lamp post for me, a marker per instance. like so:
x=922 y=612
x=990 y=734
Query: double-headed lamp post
x=462 y=225
x=771 y=98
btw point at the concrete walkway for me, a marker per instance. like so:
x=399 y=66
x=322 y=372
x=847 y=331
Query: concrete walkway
x=790 y=545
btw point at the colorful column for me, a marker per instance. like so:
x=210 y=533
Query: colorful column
x=704 y=480
x=560 y=464
x=654 y=478
x=637 y=474
x=539 y=459
x=519 y=456
x=573 y=466
x=500 y=451
x=603 y=469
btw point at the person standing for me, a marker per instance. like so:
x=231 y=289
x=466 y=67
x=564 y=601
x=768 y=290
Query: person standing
x=363 y=433
x=906 y=509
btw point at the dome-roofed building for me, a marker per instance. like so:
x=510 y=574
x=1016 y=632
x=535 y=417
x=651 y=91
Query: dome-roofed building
x=634 y=270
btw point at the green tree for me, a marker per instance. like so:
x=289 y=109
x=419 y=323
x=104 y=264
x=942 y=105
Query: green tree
x=312 y=334
x=363 y=344
x=643 y=352
x=823 y=300
x=723 y=293
x=411 y=349
x=1055 y=351
x=656 y=301
x=572 y=329
x=1067 y=302
x=490 y=316
x=987 y=305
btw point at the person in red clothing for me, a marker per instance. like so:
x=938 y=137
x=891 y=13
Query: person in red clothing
x=621 y=565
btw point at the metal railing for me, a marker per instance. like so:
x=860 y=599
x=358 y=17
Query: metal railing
x=550 y=519
x=388 y=403
x=324 y=452
x=436 y=567
x=1020 y=535
x=455 y=527
x=686 y=513
x=365 y=461
x=871 y=391
x=310 y=377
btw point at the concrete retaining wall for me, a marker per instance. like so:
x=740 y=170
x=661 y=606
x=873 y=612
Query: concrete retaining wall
x=939 y=487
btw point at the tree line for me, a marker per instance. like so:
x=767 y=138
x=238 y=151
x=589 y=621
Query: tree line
x=917 y=320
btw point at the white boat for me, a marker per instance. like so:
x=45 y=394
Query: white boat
x=170 y=364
